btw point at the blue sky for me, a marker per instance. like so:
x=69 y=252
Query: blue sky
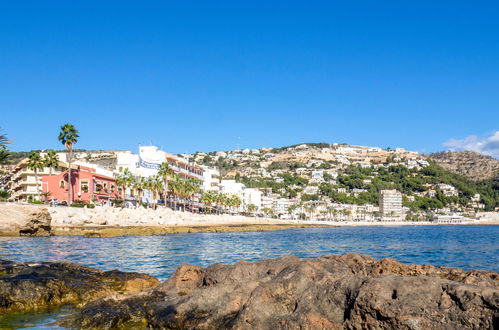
x=211 y=75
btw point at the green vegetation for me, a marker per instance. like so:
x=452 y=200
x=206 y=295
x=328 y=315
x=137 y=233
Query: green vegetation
x=410 y=182
x=288 y=188
x=4 y=195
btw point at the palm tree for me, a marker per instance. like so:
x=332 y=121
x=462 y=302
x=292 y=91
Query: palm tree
x=3 y=141
x=235 y=202
x=4 y=154
x=35 y=162
x=310 y=208
x=124 y=180
x=185 y=188
x=46 y=196
x=209 y=198
x=68 y=137
x=293 y=208
x=166 y=173
x=252 y=208
x=139 y=185
x=51 y=160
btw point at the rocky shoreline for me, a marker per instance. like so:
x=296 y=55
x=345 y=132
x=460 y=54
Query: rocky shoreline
x=351 y=291
x=39 y=220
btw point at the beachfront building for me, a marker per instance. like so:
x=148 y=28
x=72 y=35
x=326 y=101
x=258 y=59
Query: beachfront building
x=211 y=179
x=147 y=162
x=390 y=205
x=252 y=196
x=22 y=182
x=89 y=184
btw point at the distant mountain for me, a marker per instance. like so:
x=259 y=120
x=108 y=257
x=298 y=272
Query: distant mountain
x=471 y=164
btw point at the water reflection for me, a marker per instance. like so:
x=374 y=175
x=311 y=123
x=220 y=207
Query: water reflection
x=459 y=246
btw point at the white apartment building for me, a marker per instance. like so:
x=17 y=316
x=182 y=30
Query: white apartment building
x=252 y=196
x=211 y=179
x=390 y=204
x=232 y=187
x=448 y=190
x=147 y=163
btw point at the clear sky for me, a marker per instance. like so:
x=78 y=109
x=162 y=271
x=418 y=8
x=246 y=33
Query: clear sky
x=211 y=75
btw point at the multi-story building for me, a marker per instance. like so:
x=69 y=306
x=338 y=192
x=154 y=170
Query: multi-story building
x=88 y=184
x=390 y=204
x=147 y=163
x=23 y=183
x=211 y=179
x=252 y=196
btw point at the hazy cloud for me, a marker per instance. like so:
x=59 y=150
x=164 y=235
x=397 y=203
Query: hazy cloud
x=485 y=145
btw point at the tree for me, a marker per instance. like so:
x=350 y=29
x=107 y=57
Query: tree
x=166 y=173
x=3 y=141
x=35 y=162
x=138 y=184
x=209 y=198
x=51 y=160
x=154 y=184
x=124 y=180
x=4 y=154
x=185 y=188
x=46 y=196
x=68 y=136
x=252 y=208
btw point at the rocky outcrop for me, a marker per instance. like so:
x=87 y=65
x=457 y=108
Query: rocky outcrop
x=471 y=164
x=339 y=292
x=38 y=286
x=39 y=224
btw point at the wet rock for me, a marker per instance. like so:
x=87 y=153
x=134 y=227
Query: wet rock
x=339 y=292
x=38 y=286
x=39 y=224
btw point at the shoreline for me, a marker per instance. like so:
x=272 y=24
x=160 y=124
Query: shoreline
x=112 y=222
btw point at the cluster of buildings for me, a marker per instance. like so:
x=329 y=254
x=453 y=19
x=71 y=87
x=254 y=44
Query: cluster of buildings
x=93 y=179
x=93 y=182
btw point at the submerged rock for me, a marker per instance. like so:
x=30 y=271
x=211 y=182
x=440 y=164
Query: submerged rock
x=38 y=286
x=339 y=292
x=39 y=224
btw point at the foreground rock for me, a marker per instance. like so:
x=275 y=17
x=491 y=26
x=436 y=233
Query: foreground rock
x=37 y=286
x=350 y=291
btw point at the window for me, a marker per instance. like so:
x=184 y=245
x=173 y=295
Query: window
x=84 y=186
x=62 y=184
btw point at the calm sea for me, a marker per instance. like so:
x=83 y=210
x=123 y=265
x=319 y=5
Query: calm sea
x=468 y=247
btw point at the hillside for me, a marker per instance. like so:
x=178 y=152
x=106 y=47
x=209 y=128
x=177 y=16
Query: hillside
x=346 y=174
x=473 y=165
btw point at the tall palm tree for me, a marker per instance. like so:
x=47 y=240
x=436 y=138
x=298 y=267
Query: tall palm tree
x=156 y=184
x=51 y=160
x=68 y=136
x=252 y=209
x=35 y=162
x=185 y=188
x=139 y=185
x=209 y=198
x=124 y=180
x=166 y=173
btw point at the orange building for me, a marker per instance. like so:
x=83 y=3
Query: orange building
x=86 y=185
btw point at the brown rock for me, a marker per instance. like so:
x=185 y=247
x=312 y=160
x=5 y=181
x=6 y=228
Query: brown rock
x=37 y=286
x=39 y=224
x=340 y=292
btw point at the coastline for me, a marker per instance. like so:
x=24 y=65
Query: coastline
x=111 y=222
